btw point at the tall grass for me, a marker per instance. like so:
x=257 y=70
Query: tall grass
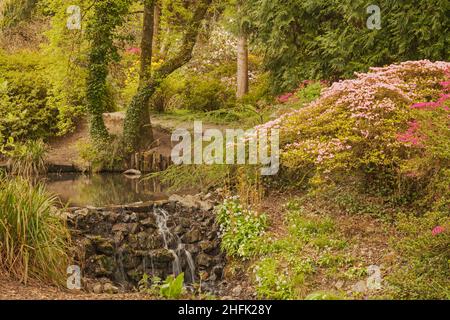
x=29 y=159
x=34 y=241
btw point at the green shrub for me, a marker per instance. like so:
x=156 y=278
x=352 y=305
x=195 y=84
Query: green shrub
x=31 y=105
x=241 y=228
x=34 y=241
x=206 y=94
x=103 y=155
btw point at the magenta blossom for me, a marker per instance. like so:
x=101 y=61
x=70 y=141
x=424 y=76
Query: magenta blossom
x=437 y=230
x=285 y=97
x=134 y=50
x=411 y=136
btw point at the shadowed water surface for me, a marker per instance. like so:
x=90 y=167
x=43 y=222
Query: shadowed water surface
x=102 y=189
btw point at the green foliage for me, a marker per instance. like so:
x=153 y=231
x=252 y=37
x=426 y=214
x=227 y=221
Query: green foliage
x=27 y=159
x=309 y=93
x=423 y=270
x=311 y=247
x=31 y=107
x=33 y=239
x=241 y=228
x=374 y=134
x=206 y=94
x=185 y=176
x=171 y=288
x=193 y=92
x=271 y=283
x=14 y=11
x=323 y=295
x=101 y=155
x=108 y=15
x=329 y=39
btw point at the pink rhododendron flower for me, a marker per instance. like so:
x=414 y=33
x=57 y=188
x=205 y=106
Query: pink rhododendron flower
x=285 y=97
x=437 y=230
x=369 y=100
x=134 y=50
x=411 y=136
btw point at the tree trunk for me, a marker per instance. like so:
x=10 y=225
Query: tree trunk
x=137 y=121
x=138 y=132
x=242 y=66
x=156 y=28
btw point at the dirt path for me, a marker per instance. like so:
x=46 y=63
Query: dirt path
x=13 y=290
x=64 y=150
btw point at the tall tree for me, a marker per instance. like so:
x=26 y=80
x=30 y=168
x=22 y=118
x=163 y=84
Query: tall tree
x=242 y=55
x=242 y=66
x=108 y=14
x=137 y=122
x=156 y=27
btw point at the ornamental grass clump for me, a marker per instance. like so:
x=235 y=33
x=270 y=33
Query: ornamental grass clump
x=34 y=241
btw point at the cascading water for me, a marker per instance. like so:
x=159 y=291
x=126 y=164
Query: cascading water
x=172 y=242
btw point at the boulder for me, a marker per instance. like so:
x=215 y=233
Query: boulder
x=132 y=172
x=150 y=222
x=162 y=255
x=192 y=236
x=204 y=260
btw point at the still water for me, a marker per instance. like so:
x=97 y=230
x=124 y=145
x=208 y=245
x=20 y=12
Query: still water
x=98 y=190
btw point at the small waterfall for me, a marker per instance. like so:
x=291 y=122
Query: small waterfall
x=161 y=220
x=191 y=264
x=121 y=272
x=172 y=242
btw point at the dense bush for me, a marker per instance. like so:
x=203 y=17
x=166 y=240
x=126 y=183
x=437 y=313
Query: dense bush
x=30 y=105
x=207 y=94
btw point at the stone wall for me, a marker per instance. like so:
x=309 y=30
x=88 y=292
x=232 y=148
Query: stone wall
x=157 y=238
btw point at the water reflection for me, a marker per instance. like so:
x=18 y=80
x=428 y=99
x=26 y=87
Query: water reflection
x=102 y=189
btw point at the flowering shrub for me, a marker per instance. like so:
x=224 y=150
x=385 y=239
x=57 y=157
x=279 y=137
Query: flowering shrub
x=378 y=126
x=240 y=228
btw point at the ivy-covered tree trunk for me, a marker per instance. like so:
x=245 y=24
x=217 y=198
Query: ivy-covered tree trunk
x=137 y=127
x=96 y=93
x=108 y=14
x=137 y=122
